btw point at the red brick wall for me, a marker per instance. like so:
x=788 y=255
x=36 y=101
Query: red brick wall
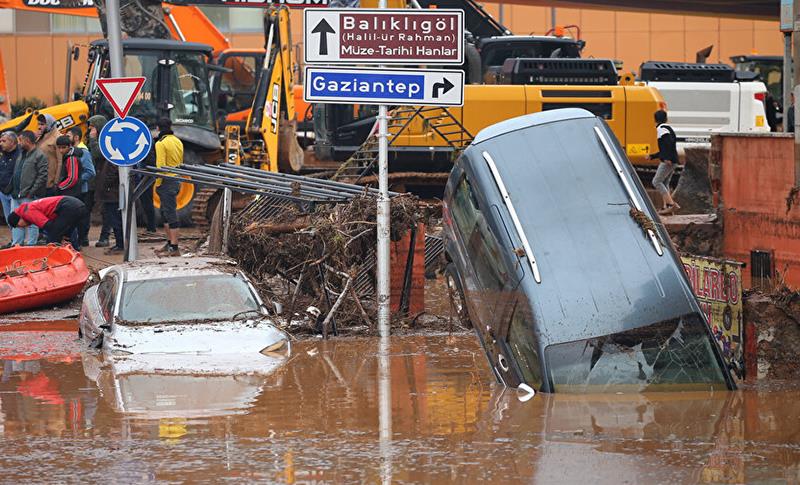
x=756 y=175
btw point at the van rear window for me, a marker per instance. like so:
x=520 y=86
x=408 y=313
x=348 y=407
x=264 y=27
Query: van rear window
x=671 y=355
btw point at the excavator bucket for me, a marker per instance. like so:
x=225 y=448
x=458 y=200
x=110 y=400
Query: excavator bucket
x=290 y=154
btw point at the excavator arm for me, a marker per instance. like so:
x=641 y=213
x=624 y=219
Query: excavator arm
x=272 y=116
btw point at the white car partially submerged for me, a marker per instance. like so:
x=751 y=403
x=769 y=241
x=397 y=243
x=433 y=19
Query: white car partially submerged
x=201 y=306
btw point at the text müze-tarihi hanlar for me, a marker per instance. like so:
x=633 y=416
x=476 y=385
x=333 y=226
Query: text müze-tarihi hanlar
x=401 y=51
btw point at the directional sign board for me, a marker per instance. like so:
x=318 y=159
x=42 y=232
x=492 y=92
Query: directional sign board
x=121 y=92
x=125 y=142
x=424 y=87
x=383 y=36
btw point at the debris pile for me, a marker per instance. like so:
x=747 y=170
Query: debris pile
x=318 y=264
x=699 y=239
x=693 y=192
x=776 y=316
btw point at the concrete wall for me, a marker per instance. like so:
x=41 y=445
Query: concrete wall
x=756 y=174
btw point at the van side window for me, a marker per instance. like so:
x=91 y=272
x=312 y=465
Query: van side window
x=522 y=342
x=482 y=247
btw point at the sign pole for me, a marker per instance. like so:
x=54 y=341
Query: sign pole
x=115 y=54
x=383 y=219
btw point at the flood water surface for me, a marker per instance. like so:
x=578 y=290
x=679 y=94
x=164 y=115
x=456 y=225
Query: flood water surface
x=69 y=415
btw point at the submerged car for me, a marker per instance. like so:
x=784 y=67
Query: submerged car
x=564 y=269
x=178 y=305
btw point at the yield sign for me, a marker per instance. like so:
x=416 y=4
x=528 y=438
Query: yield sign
x=120 y=92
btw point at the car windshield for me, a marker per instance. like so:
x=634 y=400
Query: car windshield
x=671 y=355
x=216 y=297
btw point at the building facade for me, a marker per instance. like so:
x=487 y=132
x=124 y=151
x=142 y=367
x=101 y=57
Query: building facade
x=34 y=45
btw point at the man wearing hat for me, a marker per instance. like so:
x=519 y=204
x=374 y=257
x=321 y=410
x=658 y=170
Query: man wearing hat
x=46 y=135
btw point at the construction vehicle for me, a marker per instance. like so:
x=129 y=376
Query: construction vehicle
x=510 y=76
x=177 y=86
x=707 y=98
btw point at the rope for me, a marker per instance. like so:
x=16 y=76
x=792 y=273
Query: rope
x=644 y=221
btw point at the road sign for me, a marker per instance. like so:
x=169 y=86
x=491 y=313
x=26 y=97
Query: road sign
x=425 y=87
x=121 y=92
x=125 y=142
x=383 y=36
x=787 y=16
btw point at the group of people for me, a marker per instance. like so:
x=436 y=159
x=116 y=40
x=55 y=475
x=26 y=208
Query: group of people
x=50 y=182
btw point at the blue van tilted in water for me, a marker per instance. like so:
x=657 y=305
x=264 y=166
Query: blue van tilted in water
x=567 y=275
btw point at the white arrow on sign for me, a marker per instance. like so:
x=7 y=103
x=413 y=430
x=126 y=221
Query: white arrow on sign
x=141 y=144
x=115 y=153
x=118 y=126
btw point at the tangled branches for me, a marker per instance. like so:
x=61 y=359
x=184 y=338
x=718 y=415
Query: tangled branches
x=323 y=253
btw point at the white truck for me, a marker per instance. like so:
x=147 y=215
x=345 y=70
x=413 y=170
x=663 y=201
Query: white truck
x=705 y=98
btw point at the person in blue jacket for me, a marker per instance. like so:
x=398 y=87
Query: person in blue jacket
x=88 y=174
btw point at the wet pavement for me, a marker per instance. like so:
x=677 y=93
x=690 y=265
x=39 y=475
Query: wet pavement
x=70 y=415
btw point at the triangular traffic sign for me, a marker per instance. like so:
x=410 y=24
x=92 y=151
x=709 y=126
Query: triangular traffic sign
x=120 y=92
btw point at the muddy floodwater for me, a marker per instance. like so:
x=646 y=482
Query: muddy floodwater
x=67 y=415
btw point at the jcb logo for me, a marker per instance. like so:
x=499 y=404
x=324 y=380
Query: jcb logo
x=58 y=4
x=274 y=110
x=65 y=123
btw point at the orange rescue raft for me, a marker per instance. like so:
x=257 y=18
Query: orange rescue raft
x=36 y=276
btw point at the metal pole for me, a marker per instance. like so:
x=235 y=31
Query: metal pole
x=795 y=83
x=227 y=199
x=385 y=410
x=67 y=81
x=553 y=18
x=115 y=56
x=787 y=76
x=383 y=219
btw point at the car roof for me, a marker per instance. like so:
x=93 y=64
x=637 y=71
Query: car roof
x=178 y=267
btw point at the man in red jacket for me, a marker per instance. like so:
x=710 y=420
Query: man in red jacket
x=57 y=216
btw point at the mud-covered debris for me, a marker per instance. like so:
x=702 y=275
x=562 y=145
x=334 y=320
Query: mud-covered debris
x=318 y=255
x=776 y=316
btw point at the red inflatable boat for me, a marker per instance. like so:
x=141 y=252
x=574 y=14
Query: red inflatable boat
x=35 y=276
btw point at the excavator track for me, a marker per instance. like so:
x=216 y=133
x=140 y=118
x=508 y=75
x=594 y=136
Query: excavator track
x=200 y=207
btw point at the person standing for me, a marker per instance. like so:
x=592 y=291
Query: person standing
x=148 y=209
x=96 y=123
x=70 y=181
x=46 y=136
x=668 y=154
x=87 y=178
x=8 y=161
x=108 y=196
x=28 y=183
x=58 y=216
x=169 y=154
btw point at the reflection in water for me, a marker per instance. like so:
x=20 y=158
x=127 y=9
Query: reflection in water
x=163 y=386
x=318 y=419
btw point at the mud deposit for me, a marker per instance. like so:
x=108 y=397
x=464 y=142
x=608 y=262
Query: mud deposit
x=776 y=317
x=71 y=417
